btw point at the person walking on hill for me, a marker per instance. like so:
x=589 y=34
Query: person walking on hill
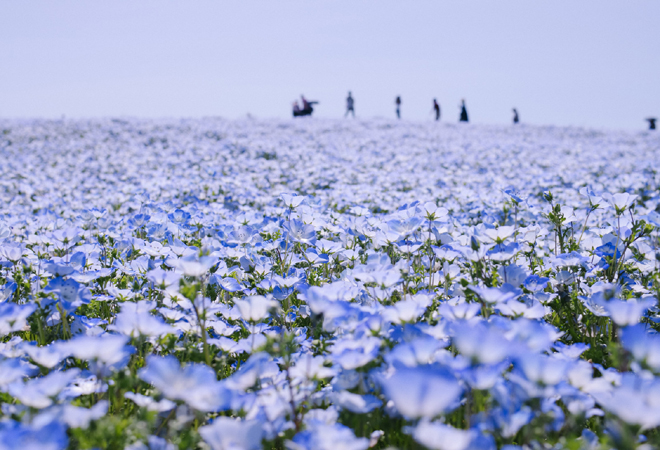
x=516 y=119
x=464 y=114
x=397 y=102
x=651 y=121
x=350 y=105
x=436 y=108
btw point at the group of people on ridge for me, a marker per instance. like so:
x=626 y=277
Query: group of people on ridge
x=307 y=109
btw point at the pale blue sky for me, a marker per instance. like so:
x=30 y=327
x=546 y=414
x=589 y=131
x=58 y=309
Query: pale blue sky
x=564 y=62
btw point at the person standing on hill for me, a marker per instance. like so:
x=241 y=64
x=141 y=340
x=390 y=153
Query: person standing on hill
x=651 y=121
x=436 y=108
x=397 y=102
x=464 y=114
x=516 y=119
x=350 y=105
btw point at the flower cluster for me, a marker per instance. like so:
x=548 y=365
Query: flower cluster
x=327 y=285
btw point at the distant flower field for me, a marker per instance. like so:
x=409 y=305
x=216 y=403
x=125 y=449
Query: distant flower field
x=313 y=285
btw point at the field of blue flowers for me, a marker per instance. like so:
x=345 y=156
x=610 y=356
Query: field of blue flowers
x=312 y=285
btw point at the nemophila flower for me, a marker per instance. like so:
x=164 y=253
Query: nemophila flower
x=360 y=404
x=179 y=216
x=625 y=313
x=153 y=443
x=70 y=293
x=58 y=269
x=15 y=369
x=227 y=283
x=423 y=391
x=484 y=376
x=149 y=403
x=422 y=350
x=314 y=258
x=327 y=437
x=195 y=384
x=245 y=235
x=643 y=344
x=482 y=343
x=495 y=295
x=87 y=326
x=620 y=201
x=310 y=367
x=404 y=227
x=292 y=201
x=514 y=194
x=404 y=311
x=513 y=274
x=459 y=311
x=535 y=283
x=163 y=279
x=653 y=218
x=434 y=212
x=635 y=400
x=7 y=291
x=13 y=317
x=298 y=231
x=110 y=351
x=38 y=393
x=177 y=247
x=542 y=369
x=378 y=271
x=47 y=356
x=255 y=308
x=85 y=384
x=77 y=417
x=12 y=253
x=134 y=324
x=438 y=436
x=257 y=365
x=65 y=238
x=226 y=433
x=139 y=220
x=351 y=354
x=193 y=265
x=329 y=247
x=37 y=436
x=497 y=235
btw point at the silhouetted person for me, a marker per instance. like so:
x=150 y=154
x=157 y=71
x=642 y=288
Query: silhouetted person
x=436 y=108
x=350 y=105
x=651 y=121
x=464 y=114
x=516 y=119
x=306 y=110
x=398 y=107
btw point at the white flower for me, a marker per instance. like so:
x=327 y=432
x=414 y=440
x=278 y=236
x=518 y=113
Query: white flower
x=438 y=436
x=255 y=308
x=194 y=384
x=226 y=433
x=423 y=391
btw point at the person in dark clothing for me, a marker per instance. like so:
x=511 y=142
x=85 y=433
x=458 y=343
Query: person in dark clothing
x=397 y=102
x=464 y=114
x=307 y=109
x=516 y=119
x=436 y=108
x=651 y=121
x=350 y=105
